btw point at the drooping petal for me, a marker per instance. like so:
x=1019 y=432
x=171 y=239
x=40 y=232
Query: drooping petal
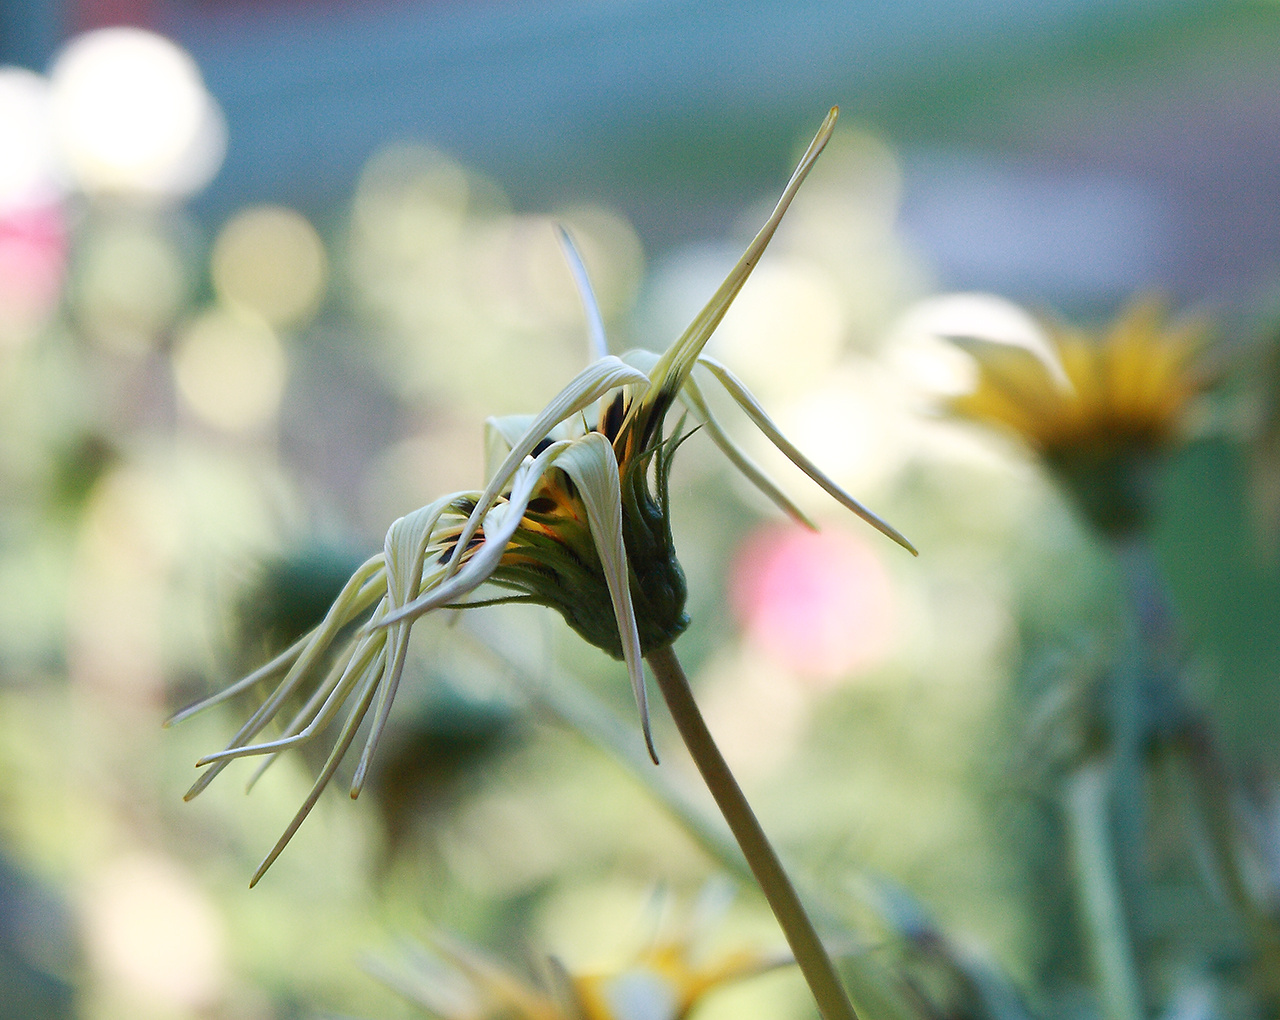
x=674 y=366
x=276 y=667
x=588 y=386
x=353 y=664
x=368 y=686
x=353 y=667
x=359 y=593
x=599 y=343
x=351 y=593
x=317 y=713
x=762 y=421
x=592 y=465
x=405 y=549
x=500 y=524
x=692 y=397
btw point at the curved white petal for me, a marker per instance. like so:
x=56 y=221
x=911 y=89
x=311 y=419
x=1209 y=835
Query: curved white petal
x=641 y=358
x=405 y=549
x=339 y=613
x=501 y=434
x=764 y=423
x=592 y=465
x=675 y=365
x=598 y=342
x=500 y=437
x=500 y=524
x=356 y=596
x=277 y=666
x=364 y=697
x=317 y=713
x=991 y=329
x=693 y=399
x=588 y=386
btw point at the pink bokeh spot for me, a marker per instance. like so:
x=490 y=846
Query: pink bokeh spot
x=33 y=256
x=819 y=602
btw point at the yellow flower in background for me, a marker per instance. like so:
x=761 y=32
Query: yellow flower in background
x=1100 y=409
x=574 y=517
x=665 y=983
x=1130 y=385
x=456 y=981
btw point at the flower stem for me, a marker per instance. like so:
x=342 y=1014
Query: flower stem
x=1087 y=801
x=810 y=954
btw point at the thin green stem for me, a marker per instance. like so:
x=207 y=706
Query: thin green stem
x=1136 y=698
x=811 y=955
x=1087 y=806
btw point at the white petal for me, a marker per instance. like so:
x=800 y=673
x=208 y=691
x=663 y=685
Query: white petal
x=988 y=328
x=692 y=398
x=500 y=436
x=350 y=602
x=678 y=360
x=280 y=664
x=639 y=357
x=748 y=403
x=500 y=524
x=360 y=592
x=405 y=549
x=599 y=343
x=588 y=386
x=345 y=737
x=316 y=714
x=592 y=465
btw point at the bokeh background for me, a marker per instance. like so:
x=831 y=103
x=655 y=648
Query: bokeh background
x=266 y=266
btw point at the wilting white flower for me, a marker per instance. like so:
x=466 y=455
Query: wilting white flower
x=575 y=517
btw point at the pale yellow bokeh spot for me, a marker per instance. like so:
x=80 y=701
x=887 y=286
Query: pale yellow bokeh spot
x=130 y=536
x=230 y=370
x=271 y=261
x=152 y=933
x=130 y=280
x=784 y=330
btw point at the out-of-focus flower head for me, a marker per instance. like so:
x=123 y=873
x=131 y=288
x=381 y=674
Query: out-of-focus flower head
x=1101 y=409
x=456 y=981
x=665 y=983
x=574 y=517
